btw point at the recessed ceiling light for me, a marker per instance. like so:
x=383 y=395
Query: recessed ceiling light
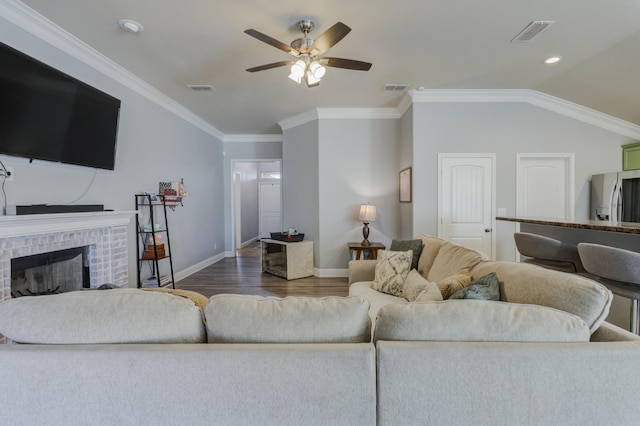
x=130 y=25
x=553 y=60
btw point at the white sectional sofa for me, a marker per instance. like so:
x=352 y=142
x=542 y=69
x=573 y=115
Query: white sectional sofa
x=157 y=367
x=543 y=355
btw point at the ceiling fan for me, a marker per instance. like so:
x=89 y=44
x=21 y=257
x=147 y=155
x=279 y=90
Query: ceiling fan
x=310 y=63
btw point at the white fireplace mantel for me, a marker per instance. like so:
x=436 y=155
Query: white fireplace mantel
x=35 y=224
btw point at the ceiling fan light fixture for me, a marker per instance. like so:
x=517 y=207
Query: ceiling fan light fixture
x=298 y=68
x=296 y=78
x=317 y=70
x=312 y=80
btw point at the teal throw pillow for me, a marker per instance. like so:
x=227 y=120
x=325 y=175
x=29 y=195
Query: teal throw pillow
x=486 y=287
x=406 y=245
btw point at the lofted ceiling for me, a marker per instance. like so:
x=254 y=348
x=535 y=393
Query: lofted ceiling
x=434 y=44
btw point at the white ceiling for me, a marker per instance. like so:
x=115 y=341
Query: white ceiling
x=435 y=44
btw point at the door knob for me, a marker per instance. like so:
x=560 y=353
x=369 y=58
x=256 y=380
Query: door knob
x=487 y=229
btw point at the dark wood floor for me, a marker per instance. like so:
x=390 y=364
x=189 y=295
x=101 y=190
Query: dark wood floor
x=243 y=275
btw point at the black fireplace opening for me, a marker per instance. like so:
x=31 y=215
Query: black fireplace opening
x=50 y=273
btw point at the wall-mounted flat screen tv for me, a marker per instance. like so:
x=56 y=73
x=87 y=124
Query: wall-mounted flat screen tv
x=46 y=114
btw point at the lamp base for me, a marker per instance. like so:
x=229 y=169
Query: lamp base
x=365 y=234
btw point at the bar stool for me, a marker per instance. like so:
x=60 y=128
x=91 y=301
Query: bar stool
x=618 y=270
x=548 y=252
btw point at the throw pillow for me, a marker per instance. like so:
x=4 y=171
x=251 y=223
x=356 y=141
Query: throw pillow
x=406 y=245
x=450 y=285
x=486 y=287
x=392 y=268
x=414 y=285
x=430 y=294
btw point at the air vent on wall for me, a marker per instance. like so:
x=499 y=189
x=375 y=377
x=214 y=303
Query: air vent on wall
x=397 y=87
x=201 y=87
x=531 y=31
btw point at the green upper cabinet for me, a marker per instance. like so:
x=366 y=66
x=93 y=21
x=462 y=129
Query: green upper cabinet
x=631 y=156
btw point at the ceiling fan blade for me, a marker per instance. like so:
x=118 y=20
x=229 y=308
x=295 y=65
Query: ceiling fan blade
x=269 y=66
x=329 y=38
x=273 y=42
x=350 y=64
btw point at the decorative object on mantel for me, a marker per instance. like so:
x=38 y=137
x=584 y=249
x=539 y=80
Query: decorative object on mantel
x=367 y=214
x=173 y=193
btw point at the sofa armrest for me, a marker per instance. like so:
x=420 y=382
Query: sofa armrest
x=608 y=332
x=361 y=270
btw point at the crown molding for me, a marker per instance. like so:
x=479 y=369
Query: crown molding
x=338 y=113
x=39 y=26
x=532 y=97
x=351 y=113
x=298 y=120
x=252 y=138
x=405 y=104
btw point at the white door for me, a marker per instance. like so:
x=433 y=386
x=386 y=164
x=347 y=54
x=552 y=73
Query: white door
x=544 y=186
x=269 y=206
x=466 y=193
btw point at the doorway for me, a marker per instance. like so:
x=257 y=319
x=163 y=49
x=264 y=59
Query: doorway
x=256 y=203
x=466 y=200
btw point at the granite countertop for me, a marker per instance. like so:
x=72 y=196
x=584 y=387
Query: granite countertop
x=596 y=225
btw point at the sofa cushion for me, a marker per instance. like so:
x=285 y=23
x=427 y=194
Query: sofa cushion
x=450 y=259
x=105 y=316
x=530 y=284
x=405 y=245
x=431 y=247
x=414 y=285
x=486 y=287
x=454 y=283
x=392 y=268
x=375 y=298
x=234 y=318
x=478 y=321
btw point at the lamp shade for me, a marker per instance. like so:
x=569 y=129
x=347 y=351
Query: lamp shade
x=367 y=213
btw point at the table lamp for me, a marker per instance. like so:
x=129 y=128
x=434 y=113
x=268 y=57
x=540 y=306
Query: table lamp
x=367 y=214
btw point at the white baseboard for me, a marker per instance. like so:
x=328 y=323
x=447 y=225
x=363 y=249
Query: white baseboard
x=249 y=242
x=197 y=267
x=331 y=273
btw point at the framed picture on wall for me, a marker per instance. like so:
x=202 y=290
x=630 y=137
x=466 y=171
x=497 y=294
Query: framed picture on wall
x=405 y=185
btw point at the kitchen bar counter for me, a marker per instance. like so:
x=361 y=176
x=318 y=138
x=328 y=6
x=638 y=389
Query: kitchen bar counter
x=594 y=225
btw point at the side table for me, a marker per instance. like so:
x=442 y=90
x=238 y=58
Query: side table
x=371 y=248
x=287 y=260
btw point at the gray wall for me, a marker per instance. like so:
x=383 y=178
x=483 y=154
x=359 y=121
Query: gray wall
x=405 y=216
x=359 y=163
x=248 y=200
x=300 y=182
x=154 y=145
x=504 y=129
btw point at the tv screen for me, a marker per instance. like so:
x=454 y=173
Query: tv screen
x=46 y=114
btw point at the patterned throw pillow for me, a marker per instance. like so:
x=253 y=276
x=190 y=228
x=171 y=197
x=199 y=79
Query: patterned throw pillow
x=405 y=245
x=486 y=287
x=392 y=269
x=416 y=284
x=451 y=284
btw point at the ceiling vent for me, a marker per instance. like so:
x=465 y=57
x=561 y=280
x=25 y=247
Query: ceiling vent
x=396 y=87
x=531 y=31
x=201 y=87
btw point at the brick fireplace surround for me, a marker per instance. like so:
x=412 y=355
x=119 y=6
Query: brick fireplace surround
x=104 y=232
